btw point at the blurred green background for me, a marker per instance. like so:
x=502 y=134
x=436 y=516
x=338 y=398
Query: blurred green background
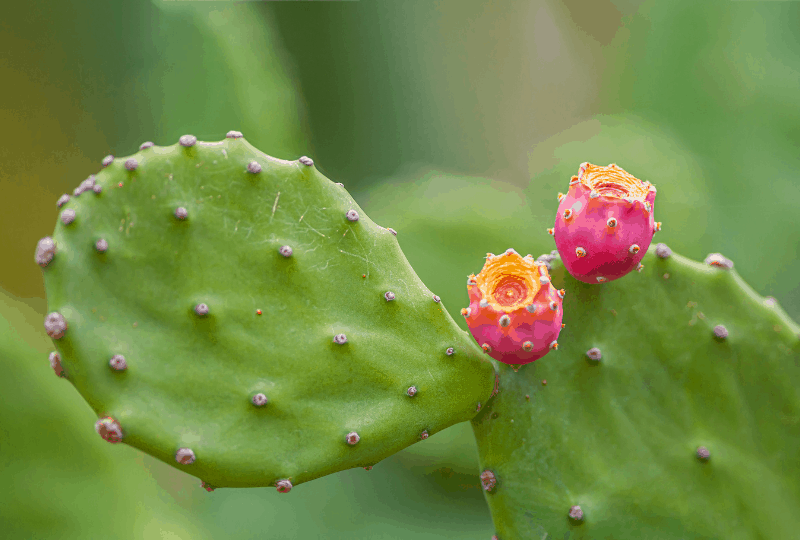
x=456 y=122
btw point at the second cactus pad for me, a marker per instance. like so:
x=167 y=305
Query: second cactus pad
x=239 y=317
x=670 y=411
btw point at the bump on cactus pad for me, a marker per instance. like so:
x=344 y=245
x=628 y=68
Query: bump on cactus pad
x=652 y=424
x=226 y=329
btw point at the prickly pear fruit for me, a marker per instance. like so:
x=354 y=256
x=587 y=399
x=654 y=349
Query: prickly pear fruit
x=515 y=312
x=605 y=223
x=245 y=321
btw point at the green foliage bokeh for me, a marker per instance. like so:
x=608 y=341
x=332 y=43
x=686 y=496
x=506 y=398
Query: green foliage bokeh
x=454 y=122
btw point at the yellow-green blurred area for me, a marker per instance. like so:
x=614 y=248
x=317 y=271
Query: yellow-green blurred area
x=455 y=122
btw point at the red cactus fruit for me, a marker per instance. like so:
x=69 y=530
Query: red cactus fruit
x=515 y=312
x=605 y=223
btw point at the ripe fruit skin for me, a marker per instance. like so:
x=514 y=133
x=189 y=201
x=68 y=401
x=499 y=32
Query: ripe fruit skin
x=605 y=223
x=515 y=312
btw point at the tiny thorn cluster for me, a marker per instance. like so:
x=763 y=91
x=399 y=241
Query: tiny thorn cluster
x=718 y=260
x=55 y=364
x=575 y=513
x=109 y=429
x=604 y=225
x=185 y=456
x=488 y=480
x=284 y=486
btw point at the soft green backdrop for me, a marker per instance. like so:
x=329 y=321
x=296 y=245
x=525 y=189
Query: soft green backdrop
x=456 y=122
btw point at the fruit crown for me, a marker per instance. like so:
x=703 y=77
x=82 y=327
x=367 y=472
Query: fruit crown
x=613 y=181
x=509 y=281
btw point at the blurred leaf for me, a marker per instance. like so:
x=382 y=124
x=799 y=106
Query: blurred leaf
x=722 y=78
x=61 y=480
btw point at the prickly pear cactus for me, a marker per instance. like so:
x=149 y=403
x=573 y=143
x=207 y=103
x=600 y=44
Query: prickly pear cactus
x=239 y=317
x=670 y=411
x=605 y=223
x=515 y=312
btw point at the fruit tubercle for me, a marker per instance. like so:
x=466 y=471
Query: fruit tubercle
x=605 y=223
x=515 y=311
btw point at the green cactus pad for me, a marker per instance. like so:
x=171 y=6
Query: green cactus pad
x=239 y=317
x=671 y=410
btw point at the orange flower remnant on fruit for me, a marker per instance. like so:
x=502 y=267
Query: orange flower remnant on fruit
x=509 y=281
x=613 y=181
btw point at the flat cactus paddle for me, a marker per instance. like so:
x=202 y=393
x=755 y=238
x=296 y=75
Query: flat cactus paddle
x=671 y=410
x=239 y=317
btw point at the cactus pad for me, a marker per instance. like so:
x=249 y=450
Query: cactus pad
x=240 y=317
x=672 y=411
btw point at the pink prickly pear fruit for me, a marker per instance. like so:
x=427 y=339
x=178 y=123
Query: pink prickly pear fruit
x=514 y=310
x=605 y=223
